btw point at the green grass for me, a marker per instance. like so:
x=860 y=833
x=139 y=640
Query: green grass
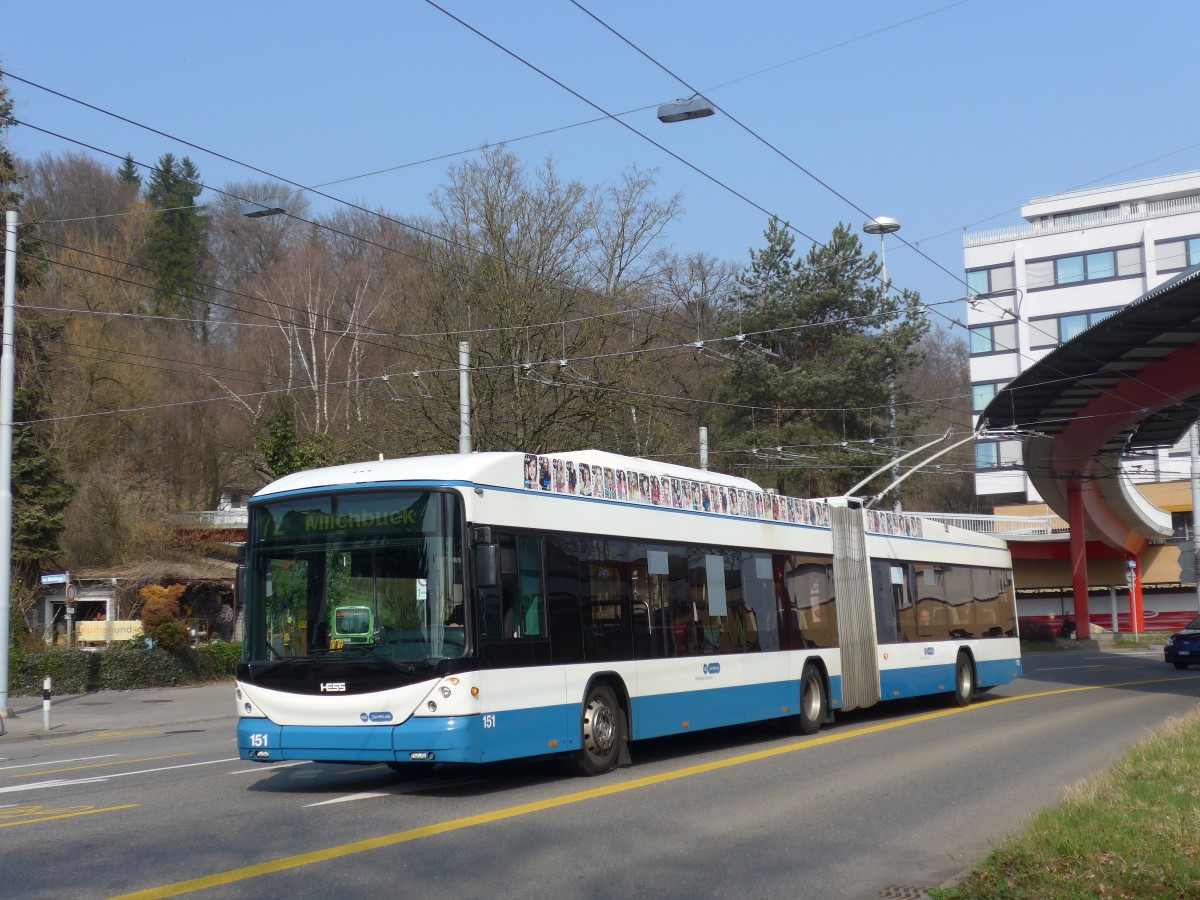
x=1131 y=832
x=1144 y=641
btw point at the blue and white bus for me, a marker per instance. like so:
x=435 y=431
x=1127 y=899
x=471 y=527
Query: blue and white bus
x=568 y=604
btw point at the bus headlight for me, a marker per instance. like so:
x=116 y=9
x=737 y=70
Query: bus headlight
x=446 y=693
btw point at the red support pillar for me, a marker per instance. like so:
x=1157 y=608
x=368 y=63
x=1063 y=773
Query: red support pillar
x=1079 y=573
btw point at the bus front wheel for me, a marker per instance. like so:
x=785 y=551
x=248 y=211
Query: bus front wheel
x=601 y=732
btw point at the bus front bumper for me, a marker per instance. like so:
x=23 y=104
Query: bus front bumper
x=419 y=740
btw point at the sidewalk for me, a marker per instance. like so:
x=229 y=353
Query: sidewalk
x=72 y=714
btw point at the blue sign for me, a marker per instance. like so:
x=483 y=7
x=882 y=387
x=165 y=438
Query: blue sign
x=55 y=579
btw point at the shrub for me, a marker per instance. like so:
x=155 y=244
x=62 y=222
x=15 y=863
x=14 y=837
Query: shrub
x=1035 y=631
x=121 y=668
x=160 y=617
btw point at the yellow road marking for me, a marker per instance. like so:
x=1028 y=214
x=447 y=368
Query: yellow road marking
x=66 y=815
x=89 y=738
x=115 y=762
x=285 y=863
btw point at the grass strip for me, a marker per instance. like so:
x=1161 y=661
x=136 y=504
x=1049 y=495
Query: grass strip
x=1133 y=831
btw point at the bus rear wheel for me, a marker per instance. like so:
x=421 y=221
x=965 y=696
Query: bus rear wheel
x=964 y=681
x=812 y=703
x=601 y=732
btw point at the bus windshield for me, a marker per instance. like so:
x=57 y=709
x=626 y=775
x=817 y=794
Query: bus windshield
x=356 y=574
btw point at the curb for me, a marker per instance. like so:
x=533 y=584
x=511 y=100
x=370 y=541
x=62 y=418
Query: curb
x=9 y=737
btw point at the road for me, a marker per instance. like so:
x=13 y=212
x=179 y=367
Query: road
x=884 y=803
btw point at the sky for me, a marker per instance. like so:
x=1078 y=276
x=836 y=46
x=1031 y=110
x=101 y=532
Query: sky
x=943 y=114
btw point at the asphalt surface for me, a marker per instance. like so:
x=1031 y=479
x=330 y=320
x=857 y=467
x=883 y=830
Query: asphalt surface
x=105 y=710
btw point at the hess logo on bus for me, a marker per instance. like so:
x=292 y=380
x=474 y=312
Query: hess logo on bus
x=333 y=687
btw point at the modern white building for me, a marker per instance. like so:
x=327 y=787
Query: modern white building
x=1081 y=256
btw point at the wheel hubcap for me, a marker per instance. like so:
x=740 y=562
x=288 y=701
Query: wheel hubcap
x=812 y=699
x=600 y=728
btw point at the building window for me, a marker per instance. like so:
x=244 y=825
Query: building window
x=1176 y=255
x=1050 y=331
x=1099 y=265
x=994 y=280
x=997 y=455
x=987 y=456
x=982 y=394
x=999 y=338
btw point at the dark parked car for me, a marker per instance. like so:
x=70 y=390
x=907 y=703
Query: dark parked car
x=1183 y=647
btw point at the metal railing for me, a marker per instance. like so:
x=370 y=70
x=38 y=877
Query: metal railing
x=1175 y=207
x=214 y=518
x=1002 y=526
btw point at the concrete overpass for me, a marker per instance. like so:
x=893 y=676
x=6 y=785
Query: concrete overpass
x=1128 y=383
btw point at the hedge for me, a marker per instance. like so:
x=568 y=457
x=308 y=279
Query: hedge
x=121 y=668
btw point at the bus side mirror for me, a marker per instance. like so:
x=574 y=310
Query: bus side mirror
x=487 y=565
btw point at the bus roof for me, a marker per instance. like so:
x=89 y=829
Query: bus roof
x=501 y=469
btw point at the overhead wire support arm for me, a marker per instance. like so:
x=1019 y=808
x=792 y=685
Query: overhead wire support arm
x=974 y=435
x=892 y=463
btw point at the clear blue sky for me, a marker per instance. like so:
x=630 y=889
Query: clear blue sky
x=941 y=114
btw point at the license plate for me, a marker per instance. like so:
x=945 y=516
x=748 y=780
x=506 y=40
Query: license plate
x=1184 y=653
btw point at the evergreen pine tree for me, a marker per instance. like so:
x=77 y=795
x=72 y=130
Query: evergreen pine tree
x=176 y=251
x=815 y=374
x=284 y=451
x=128 y=172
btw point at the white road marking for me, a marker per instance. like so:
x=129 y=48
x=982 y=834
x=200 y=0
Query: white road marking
x=56 y=762
x=1065 y=668
x=266 y=767
x=64 y=782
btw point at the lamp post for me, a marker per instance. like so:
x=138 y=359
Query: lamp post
x=883 y=226
x=8 y=368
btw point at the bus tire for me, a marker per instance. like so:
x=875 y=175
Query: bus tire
x=601 y=731
x=964 y=681
x=813 y=703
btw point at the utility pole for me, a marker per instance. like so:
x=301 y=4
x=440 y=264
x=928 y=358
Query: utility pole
x=1195 y=508
x=8 y=368
x=464 y=397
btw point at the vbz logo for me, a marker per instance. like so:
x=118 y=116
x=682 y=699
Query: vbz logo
x=712 y=668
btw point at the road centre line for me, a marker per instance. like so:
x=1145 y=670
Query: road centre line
x=72 y=815
x=286 y=863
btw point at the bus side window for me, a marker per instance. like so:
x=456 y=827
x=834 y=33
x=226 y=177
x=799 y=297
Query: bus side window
x=516 y=607
x=532 y=612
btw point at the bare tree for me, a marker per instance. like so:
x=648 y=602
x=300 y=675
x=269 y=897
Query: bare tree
x=546 y=279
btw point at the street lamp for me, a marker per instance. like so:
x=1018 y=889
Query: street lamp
x=883 y=226
x=695 y=107
x=257 y=209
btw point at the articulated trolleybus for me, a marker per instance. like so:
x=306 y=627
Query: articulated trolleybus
x=490 y=606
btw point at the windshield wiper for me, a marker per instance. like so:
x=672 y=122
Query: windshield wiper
x=409 y=667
